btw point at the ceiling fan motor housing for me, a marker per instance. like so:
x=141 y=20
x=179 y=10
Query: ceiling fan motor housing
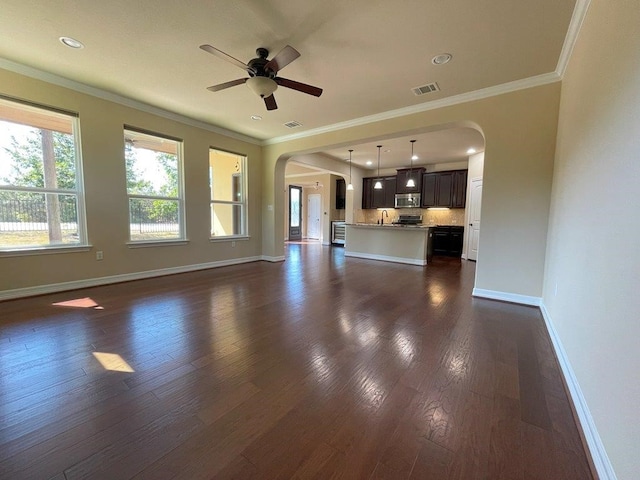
x=258 y=64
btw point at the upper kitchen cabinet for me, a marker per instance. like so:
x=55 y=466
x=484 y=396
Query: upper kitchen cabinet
x=341 y=193
x=403 y=177
x=459 y=197
x=429 y=188
x=381 y=198
x=444 y=192
x=444 y=189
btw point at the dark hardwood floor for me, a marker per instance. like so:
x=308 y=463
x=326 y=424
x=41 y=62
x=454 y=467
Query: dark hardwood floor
x=317 y=367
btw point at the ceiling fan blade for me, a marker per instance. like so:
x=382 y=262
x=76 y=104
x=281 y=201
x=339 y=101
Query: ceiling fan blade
x=227 y=57
x=270 y=102
x=301 y=87
x=222 y=86
x=284 y=57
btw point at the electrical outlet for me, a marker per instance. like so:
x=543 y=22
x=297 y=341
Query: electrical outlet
x=233 y=244
x=555 y=290
x=99 y=255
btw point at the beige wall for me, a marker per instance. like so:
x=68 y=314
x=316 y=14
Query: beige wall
x=101 y=124
x=520 y=134
x=592 y=273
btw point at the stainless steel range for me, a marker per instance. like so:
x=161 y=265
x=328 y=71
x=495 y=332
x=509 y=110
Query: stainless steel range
x=409 y=220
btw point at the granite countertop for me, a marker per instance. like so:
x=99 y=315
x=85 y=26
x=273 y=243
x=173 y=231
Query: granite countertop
x=397 y=225
x=387 y=225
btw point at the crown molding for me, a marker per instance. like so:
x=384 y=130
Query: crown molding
x=119 y=99
x=579 y=13
x=525 y=83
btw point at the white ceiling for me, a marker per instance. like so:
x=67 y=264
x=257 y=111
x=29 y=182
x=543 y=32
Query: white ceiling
x=366 y=55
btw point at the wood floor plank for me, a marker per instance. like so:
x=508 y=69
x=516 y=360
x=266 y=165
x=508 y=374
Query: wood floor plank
x=317 y=367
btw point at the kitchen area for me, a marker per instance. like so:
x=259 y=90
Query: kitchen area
x=409 y=217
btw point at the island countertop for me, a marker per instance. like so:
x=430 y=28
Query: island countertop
x=388 y=242
x=388 y=225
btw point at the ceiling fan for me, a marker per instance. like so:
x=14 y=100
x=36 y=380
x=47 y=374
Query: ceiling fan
x=263 y=74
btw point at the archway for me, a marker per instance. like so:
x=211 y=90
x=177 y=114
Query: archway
x=339 y=166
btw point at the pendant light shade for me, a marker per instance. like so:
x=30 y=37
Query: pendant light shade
x=411 y=183
x=350 y=186
x=378 y=184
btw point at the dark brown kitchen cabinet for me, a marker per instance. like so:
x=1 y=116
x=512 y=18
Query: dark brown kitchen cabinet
x=444 y=189
x=381 y=198
x=444 y=192
x=341 y=193
x=429 y=184
x=447 y=240
x=459 y=189
x=403 y=176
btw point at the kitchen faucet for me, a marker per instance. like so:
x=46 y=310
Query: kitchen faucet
x=382 y=214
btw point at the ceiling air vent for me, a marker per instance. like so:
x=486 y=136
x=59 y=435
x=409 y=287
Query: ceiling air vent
x=293 y=124
x=430 y=87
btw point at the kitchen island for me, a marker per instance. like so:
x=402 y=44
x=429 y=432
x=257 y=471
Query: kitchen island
x=408 y=244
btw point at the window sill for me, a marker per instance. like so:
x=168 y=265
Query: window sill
x=157 y=243
x=229 y=238
x=23 y=252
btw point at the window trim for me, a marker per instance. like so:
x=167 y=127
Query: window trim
x=244 y=204
x=81 y=213
x=182 y=218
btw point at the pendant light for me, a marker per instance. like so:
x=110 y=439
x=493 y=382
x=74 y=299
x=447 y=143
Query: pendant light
x=411 y=183
x=350 y=186
x=378 y=184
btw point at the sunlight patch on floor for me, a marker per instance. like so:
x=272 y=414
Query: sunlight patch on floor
x=113 y=362
x=86 y=302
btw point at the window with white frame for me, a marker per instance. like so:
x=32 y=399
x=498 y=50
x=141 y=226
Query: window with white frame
x=154 y=186
x=41 y=197
x=227 y=181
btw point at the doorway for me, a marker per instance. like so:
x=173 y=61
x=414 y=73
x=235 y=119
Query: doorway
x=313 y=216
x=295 y=213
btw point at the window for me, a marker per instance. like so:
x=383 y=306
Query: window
x=41 y=201
x=154 y=186
x=227 y=181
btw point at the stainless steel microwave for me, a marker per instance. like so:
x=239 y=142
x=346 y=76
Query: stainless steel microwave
x=407 y=200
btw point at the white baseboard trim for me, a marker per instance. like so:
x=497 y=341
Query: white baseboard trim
x=598 y=453
x=386 y=258
x=267 y=258
x=507 y=297
x=126 y=277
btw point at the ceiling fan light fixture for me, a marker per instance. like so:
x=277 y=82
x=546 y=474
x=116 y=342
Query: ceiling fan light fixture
x=262 y=86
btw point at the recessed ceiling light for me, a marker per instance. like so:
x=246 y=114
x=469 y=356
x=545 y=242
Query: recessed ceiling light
x=71 y=42
x=441 y=59
x=256 y=117
x=369 y=162
x=387 y=151
x=471 y=151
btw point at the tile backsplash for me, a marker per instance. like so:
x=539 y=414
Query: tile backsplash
x=452 y=216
